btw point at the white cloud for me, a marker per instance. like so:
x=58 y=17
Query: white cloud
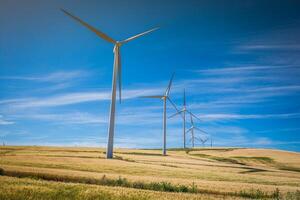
x=64 y=99
x=69 y=118
x=55 y=77
x=243 y=69
x=270 y=47
x=74 y=98
x=4 y=121
x=245 y=116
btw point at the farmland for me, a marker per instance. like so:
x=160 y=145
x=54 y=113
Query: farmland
x=32 y=172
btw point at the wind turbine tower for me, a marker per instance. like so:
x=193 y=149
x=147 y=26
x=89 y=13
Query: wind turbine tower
x=116 y=77
x=165 y=97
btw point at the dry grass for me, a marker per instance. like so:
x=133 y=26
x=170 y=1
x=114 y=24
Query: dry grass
x=226 y=170
x=15 y=188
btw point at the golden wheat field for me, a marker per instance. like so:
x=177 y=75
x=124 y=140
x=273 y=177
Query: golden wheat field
x=34 y=172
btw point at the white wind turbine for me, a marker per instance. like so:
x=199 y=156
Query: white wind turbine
x=164 y=97
x=117 y=69
x=192 y=128
x=183 y=112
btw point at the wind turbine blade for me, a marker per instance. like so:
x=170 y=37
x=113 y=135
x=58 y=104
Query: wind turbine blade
x=153 y=97
x=175 y=114
x=99 y=33
x=184 y=102
x=138 y=35
x=189 y=129
x=193 y=115
x=192 y=121
x=173 y=104
x=169 y=86
x=201 y=130
x=198 y=139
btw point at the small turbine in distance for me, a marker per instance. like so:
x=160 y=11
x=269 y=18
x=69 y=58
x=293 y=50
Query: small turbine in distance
x=117 y=69
x=183 y=114
x=192 y=128
x=164 y=97
x=203 y=140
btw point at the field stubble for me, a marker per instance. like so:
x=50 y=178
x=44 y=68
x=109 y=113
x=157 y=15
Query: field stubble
x=235 y=173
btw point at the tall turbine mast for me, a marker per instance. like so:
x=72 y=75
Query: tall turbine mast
x=116 y=77
x=184 y=108
x=165 y=97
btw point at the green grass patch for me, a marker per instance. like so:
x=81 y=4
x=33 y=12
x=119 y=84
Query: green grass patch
x=154 y=186
x=220 y=159
x=124 y=159
x=265 y=160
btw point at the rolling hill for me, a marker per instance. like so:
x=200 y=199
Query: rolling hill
x=33 y=172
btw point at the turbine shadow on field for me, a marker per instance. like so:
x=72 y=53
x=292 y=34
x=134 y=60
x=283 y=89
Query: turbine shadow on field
x=254 y=170
x=141 y=153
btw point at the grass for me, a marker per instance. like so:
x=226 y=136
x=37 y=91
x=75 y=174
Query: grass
x=221 y=159
x=124 y=159
x=289 y=168
x=243 y=160
x=16 y=189
x=214 y=173
x=265 y=160
x=155 y=186
x=122 y=182
x=187 y=150
x=141 y=153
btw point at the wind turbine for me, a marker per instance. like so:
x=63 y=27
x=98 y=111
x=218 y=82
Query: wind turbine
x=183 y=112
x=164 y=97
x=192 y=128
x=117 y=69
x=203 y=140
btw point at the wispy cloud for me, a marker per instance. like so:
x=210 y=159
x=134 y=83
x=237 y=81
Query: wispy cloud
x=74 y=98
x=4 y=121
x=67 y=118
x=64 y=99
x=55 y=77
x=293 y=47
x=243 y=69
x=244 y=97
x=245 y=116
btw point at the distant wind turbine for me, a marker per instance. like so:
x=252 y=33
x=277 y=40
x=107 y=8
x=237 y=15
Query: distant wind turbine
x=117 y=69
x=183 y=114
x=192 y=128
x=165 y=97
x=203 y=140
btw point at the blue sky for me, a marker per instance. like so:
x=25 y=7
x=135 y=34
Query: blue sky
x=238 y=61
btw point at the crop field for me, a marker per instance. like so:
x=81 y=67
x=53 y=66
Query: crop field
x=205 y=173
